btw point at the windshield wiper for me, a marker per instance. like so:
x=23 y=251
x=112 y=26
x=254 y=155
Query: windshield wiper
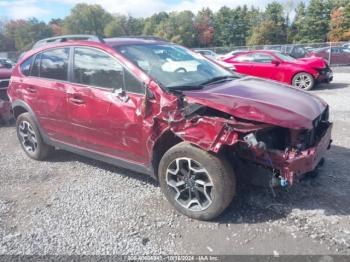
x=185 y=87
x=218 y=79
x=214 y=80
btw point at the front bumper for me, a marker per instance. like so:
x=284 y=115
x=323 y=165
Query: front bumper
x=307 y=160
x=325 y=75
x=291 y=165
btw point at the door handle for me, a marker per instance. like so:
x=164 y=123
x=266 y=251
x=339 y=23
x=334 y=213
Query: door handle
x=77 y=100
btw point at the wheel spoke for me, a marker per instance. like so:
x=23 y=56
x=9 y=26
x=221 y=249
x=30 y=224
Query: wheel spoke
x=27 y=136
x=191 y=184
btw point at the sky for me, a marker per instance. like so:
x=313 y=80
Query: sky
x=47 y=9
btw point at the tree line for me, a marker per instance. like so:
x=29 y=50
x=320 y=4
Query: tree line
x=315 y=22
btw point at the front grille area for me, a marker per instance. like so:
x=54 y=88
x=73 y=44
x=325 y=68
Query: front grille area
x=274 y=138
x=309 y=138
x=325 y=70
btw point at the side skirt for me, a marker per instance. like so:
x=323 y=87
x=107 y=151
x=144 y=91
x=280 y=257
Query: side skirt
x=101 y=157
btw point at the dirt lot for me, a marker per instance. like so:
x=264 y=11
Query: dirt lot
x=73 y=205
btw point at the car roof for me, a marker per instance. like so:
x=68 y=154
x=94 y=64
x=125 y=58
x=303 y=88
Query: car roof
x=118 y=41
x=259 y=51
x=110 y=42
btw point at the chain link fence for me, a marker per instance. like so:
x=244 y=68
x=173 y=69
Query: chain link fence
x=337 y=54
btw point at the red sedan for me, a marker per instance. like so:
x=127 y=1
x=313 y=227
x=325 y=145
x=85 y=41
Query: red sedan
x=302 y=73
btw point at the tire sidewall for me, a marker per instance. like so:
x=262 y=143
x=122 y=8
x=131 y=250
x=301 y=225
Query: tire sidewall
x=223 y=186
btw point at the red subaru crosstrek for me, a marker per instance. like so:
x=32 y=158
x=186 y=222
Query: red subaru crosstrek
x=303 y=73
x=163 y=110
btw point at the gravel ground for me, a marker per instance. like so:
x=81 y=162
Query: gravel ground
x=74 y=205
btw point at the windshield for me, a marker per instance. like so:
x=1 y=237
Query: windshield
x=173 y=66
x=284 y=57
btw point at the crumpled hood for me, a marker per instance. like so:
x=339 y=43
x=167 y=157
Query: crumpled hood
x=315 y=62
x=262 y=101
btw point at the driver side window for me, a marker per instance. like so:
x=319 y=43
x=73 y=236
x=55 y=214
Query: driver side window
x=95 y=68
x=262 y=58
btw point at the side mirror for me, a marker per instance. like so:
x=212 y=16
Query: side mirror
x=121 y=94
x=275 y=62
x=146 y=105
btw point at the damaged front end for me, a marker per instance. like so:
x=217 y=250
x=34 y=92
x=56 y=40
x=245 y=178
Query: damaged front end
x=276 y=127
x=289 y=154
x=286 y=152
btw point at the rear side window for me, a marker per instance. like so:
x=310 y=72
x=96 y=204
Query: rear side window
x=26 y=65
x=54 y=64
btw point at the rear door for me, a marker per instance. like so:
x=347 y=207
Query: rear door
x=46 y=87
x=103 y=121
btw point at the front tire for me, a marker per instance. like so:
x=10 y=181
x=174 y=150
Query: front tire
x=198 y=184
x=30 y=138
x=303 y=81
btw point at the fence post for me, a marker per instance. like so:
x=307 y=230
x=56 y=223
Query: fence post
x=330 y=53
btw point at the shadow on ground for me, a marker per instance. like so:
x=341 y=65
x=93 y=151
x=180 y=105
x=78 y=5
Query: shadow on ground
x=327 y=192
x=254 y=204
x=331 y=86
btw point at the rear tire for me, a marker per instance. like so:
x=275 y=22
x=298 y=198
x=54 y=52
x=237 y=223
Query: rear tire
x=198 y=184
x=30 y=138
x=303 y=81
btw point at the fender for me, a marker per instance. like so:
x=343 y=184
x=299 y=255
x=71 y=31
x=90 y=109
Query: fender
x=21 y=104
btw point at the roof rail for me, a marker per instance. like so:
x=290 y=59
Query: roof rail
x=64 y=38
x=145 y=37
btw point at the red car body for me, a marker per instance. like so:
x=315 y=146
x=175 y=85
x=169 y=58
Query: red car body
x=275 y=68
x=135 y=133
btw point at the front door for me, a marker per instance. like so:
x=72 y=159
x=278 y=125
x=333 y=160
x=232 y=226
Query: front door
x=103 y=121
x=263 y=66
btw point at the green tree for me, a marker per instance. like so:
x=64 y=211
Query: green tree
x=316 y=22
x=273 y=29
x=298 y=29
x=122 y=25
x=87 y=19
x=151 y=23
x=56 y=25
x=204 y=27
x=178 y=28
x=340 y=23
x=25 y=33
x=347 y=21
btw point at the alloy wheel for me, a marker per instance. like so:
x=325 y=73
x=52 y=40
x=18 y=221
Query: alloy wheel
x=303 y=81
x=190 y=183
x=27 y=136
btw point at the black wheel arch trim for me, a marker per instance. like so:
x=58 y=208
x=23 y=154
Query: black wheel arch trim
x=24 y=105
